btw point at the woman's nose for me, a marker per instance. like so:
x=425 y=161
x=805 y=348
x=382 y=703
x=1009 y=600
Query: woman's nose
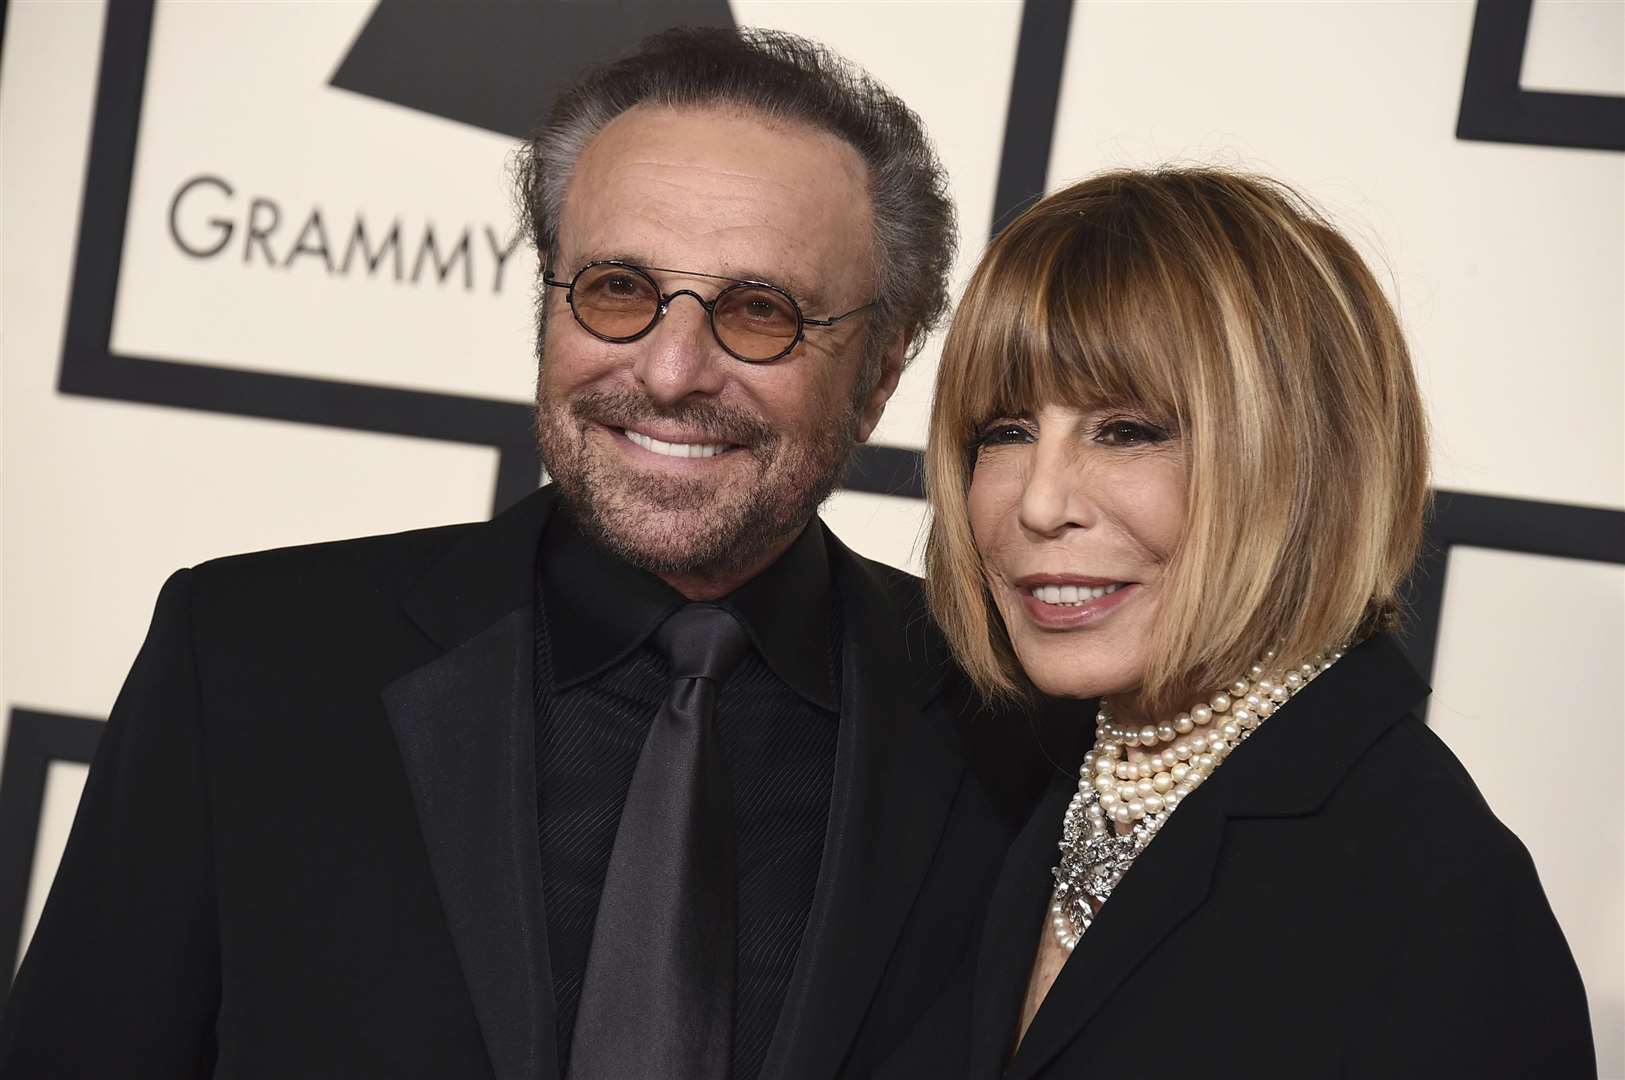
x=1053 y=498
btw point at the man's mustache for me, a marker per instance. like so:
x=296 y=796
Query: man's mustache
x=717 y=422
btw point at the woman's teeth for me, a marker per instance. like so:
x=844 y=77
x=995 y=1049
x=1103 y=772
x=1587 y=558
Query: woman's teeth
x=1071 y=595
x=683 y=450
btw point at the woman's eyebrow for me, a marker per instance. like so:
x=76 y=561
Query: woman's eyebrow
x=994 y=414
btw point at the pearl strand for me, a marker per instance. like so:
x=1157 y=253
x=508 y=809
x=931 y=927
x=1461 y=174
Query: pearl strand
x=1123 y=787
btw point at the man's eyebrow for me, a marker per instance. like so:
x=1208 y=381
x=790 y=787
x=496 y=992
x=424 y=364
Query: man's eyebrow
x=587 y=258
x=809 y=296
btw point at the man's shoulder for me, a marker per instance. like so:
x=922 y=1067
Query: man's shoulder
x=387 y=556
x=880 y=581
x=332 y=583
x=894 y=599
x=1012 y=743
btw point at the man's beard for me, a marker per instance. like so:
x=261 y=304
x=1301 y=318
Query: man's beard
x=672 y=525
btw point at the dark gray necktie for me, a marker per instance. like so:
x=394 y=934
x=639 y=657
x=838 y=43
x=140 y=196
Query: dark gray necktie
x=658 y=996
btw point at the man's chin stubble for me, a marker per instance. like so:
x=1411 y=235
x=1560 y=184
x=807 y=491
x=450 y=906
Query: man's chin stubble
x=658 y=526
x=668 y=527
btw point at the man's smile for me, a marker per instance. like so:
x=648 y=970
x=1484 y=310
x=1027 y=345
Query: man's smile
x=675 y=449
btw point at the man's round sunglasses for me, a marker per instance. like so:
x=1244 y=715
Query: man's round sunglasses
x=753 y=321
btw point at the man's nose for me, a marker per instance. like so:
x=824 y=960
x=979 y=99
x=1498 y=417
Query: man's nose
x=680 y=356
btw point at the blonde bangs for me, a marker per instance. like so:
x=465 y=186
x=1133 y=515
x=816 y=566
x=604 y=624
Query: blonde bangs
x=1058 y=313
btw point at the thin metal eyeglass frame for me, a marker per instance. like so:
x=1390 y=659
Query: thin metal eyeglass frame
x=710 y=306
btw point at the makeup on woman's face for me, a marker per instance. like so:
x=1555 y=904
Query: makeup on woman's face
x=1076 y=513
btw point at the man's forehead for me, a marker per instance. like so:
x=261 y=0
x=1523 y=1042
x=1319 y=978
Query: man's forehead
x=704 y=133
x=729 y=192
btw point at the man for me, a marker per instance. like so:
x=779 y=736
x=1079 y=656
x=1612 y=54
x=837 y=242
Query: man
x=649 y=776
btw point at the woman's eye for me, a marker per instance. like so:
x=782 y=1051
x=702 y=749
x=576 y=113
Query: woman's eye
x=1002 y=433
x=1124 y=432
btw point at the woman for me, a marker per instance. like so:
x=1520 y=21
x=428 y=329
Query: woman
x=1178 y=463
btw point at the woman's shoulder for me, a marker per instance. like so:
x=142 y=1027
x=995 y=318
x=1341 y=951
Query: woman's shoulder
x=1410 y=799
x=1473 y=937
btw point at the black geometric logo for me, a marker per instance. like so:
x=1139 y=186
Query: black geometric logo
x=497 y=66
x=1495 y=108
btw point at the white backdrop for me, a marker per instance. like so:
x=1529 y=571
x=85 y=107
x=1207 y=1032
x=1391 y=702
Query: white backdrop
x=1507 y=262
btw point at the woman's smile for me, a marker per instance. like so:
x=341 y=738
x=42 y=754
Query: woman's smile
x=1066 y=602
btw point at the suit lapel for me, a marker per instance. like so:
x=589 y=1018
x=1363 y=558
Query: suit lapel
x=896 y=774
x=1170 y=879
x=1014 y=915
x=465 y=726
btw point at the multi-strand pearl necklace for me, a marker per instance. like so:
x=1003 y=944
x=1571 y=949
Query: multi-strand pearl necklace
x=1133 y=779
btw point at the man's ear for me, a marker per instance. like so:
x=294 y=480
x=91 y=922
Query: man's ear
x=891 y=370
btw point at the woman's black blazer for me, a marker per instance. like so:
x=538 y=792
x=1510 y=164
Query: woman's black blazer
x=1336 y=901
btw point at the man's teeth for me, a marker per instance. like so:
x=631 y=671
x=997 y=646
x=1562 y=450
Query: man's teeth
x=1071 y=595
x=678 y=449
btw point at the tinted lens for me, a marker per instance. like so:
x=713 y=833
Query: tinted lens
x=615 y=301
x=755 y=322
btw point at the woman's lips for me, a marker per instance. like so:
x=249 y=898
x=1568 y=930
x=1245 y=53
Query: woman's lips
x=1070 y=616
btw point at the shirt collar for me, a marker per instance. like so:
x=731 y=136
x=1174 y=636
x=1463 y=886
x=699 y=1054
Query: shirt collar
x=788 y=610
x=599 y=608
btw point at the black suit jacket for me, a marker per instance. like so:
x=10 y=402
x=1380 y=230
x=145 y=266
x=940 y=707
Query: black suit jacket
x=1336 y=901
x=308 y=844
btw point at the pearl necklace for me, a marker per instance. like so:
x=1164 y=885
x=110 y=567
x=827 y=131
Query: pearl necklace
x=1138 y=793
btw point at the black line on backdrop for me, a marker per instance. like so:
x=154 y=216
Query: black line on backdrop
x=887 y=470
x=519 y=471
x=5 y=7
x=1496 y=108
x=1035 y=97
x=33 y=741
x=1526 y=526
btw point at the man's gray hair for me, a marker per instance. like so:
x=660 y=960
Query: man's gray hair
x=783 y=77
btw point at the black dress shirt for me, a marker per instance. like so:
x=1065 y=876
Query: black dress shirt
x=598 y=684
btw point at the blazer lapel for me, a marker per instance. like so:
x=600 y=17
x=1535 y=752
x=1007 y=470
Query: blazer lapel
x=1170 y=880
x=1287 y=769
x=1015 y=915
x=896 y=774
x=465 y=725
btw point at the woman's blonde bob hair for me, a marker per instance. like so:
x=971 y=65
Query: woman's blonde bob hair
x=1226 y=308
